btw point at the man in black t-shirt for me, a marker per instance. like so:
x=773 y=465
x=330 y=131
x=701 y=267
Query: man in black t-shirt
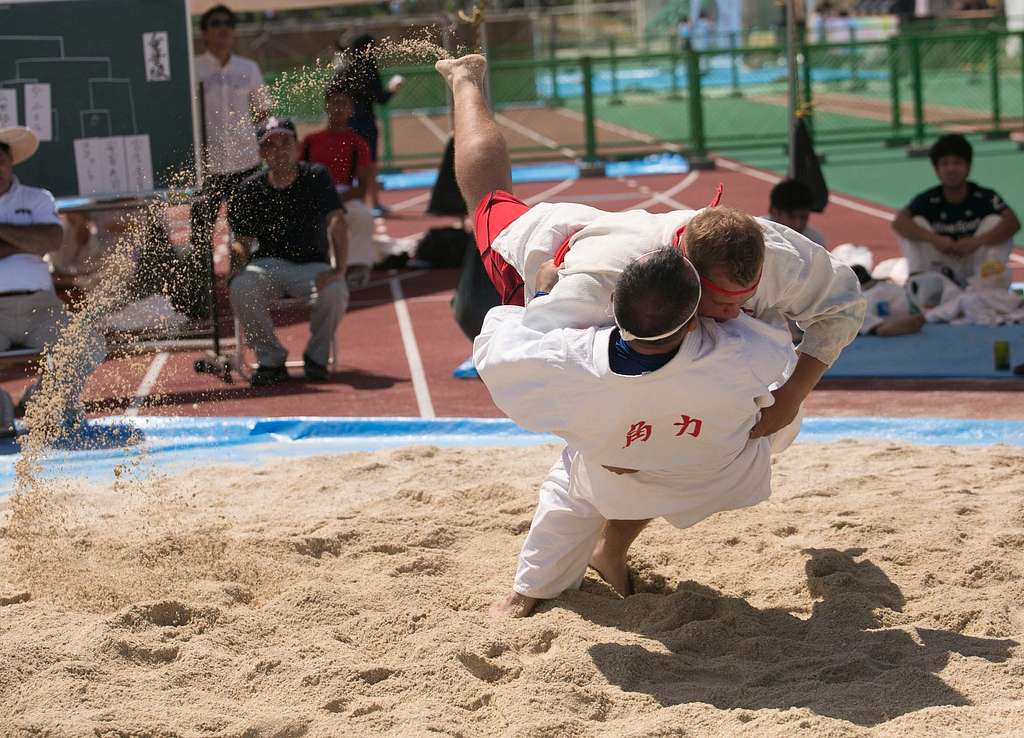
x=958 y=226
x=290 y=223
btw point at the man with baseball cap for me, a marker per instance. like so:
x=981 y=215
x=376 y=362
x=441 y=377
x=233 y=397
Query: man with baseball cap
x=32 y=316
x=290 y=223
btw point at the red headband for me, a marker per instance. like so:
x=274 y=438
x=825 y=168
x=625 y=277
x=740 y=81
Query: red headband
x=731 y=293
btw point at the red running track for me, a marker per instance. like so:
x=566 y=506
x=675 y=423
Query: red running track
x=378 y=373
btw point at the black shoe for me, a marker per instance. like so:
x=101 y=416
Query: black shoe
x=1019 y=370
x=314 y=372
x=266 y=376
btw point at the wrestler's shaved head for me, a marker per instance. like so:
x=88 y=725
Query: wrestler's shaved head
x=657 y=293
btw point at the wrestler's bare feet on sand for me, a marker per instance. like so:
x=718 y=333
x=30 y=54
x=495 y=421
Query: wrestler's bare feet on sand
x=612 y=567
x=514 y=605
x=469 y=68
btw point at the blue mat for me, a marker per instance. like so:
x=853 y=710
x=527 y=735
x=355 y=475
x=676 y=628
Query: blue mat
x=939 y=351
x=174 y=444
x=554 y=172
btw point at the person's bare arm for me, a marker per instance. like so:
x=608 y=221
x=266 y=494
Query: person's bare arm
x=905 y=226
x=358 y=192
x=899 y=326
x=30 y=239
x=337 y=232
x=790 y=396
x=1003 y=232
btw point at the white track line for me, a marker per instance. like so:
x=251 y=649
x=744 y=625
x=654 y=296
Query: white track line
x=431 y=126
x=412 y=351
x=666 y=198
x=146 y=386
x=534 y=136
x=541 y=196
x=411 y=202
x=1017 y=257
x=621 y=130
x=774 y=179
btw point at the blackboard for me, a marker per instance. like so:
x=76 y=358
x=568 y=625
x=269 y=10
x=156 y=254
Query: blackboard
x=106 y=84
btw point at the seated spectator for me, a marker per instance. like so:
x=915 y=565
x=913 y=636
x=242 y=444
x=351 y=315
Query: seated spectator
x=347 y=157
x=289 y=219
x=958 y=226
x=32 y=316
x=790 y=204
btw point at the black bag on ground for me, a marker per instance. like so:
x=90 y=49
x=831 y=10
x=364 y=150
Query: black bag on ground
x=475 y=294
x=443 y=247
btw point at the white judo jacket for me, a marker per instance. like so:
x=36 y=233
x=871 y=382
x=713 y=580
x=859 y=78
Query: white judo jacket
x=800 y=281
x=685 y=427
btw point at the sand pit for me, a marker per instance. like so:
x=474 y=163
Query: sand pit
x=879 y=592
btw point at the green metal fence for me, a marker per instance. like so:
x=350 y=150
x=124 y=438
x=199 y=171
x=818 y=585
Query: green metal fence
x=897 y=90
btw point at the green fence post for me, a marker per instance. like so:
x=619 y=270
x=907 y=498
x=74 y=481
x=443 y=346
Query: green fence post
x=1020 y=53
x=553 y=63
x=895 y=106
x=589 y=132
x=915 y=78
x=614 y=64
x=856 y=83
x=993 y=74
x=698 y=146
x=808 y=91
x=385 y=120
x=734 y=68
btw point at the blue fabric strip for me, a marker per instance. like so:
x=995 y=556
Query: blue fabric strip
x=174 y=443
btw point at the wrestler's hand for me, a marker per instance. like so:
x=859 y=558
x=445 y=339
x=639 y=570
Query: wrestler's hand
x=776 y=417
x=547 y=276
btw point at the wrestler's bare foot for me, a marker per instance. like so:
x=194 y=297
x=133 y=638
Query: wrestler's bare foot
x=612 y=567
x=514 y=605
x=470 y=68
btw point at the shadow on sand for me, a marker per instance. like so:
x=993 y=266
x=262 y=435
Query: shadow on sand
x=842 y=662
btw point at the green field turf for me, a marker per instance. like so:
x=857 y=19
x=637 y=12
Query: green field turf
x=867 y=170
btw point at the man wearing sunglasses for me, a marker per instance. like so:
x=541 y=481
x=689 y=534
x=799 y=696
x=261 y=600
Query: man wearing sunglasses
x=233 y=101
x=563 y=264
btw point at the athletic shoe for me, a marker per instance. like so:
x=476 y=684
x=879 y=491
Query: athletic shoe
x=314 y=372
x=466 y=370
x=1019 y=370
x=267 y=376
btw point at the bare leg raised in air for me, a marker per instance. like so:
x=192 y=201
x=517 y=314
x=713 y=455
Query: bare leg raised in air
x=481 y=157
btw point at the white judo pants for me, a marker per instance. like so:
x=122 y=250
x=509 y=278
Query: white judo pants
x=923 y=257
x=566 y=528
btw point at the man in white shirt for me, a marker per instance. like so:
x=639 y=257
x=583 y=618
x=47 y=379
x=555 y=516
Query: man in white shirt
x=31 y=314
x=656 y=413
x=233 y=100
x=766 y=269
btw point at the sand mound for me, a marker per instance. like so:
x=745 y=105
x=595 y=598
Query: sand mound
x=879 y=592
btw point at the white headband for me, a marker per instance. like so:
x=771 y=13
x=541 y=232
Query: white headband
x=627 y=336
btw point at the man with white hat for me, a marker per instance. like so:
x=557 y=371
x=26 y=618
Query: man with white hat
x=32 y=316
